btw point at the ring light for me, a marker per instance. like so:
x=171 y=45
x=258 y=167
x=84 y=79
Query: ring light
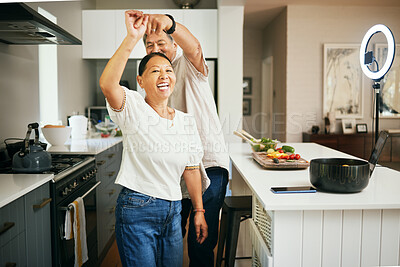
x=377 y=75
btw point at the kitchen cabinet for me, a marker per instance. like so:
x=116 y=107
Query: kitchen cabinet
x=98 y=33
x=108 y=163
x=359 y=145
x=26 y=231
x=104 y=30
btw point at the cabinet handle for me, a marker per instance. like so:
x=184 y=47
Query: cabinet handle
x=11 y=264
x=101 y=162
x=111 y=174
x=111 y=155
x=111 y=192
x=7 y=226
x=112 y=228
x=41 y=205
x=112 y=210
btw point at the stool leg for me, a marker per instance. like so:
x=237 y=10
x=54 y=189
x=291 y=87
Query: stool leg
x=222 y=237
x=232 y=239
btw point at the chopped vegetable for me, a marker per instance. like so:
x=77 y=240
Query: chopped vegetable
x=270 y=151
x=288 y=149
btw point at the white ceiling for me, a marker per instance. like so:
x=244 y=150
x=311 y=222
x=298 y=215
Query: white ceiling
x=258 y=13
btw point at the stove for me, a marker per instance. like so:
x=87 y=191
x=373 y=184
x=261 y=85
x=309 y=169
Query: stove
x=61 y=163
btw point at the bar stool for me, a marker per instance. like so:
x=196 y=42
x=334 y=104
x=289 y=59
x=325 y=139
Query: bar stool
x=234 y=210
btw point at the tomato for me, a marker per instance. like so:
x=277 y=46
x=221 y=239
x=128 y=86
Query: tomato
x=297 y=156
x=285 y=156
x=281 y=151
x=293 y=156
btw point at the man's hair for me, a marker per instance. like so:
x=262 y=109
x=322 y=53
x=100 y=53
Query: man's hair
x=145 y=38
x=143 y=62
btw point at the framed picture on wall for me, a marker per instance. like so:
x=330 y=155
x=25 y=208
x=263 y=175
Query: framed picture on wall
x=343 y=92
x=246 y=107
x=247 y=85
x=361 y=128
x=349 y=126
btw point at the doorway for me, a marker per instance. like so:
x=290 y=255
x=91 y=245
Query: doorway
x=267 y=97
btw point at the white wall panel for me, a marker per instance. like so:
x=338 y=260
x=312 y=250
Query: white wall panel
x=312 y=238
x=390 y=238
x=287 y=238
x=332 y=238
x=351 y=237
x=371 y=238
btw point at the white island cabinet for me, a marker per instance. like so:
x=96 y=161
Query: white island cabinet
x=318 y=229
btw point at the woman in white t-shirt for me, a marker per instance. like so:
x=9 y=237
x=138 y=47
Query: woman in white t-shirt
x=160 y=145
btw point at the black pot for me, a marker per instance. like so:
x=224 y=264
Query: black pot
x=339 y=175
x=15 y=145
x=345 y=175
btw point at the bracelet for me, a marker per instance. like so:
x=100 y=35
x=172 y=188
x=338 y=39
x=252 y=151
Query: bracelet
x=172 y=29
x=199 y=210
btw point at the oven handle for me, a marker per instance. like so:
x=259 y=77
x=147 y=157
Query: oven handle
x=91 y=189
x=84 y=195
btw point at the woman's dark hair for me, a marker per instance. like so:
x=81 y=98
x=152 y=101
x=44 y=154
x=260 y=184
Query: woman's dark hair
x=143 y=62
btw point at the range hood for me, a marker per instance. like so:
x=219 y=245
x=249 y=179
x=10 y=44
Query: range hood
x=22 y=25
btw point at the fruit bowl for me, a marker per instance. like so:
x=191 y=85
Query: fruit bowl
x=57 y=136
x=107 y=129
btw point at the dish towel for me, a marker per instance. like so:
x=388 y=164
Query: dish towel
x=75 y=227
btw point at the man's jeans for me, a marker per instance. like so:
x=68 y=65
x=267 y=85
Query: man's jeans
x=148 y=230
x=213 y=198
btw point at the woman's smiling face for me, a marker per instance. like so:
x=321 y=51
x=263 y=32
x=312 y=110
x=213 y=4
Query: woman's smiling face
x=158 y=79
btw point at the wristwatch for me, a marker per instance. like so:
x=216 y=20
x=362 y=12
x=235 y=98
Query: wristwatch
x=172 y=29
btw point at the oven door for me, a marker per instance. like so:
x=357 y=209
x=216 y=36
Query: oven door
x=66 y=253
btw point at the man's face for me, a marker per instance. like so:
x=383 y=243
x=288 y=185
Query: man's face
x=162 y=44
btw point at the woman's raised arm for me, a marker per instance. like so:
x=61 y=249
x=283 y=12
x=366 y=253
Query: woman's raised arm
x=135 y=22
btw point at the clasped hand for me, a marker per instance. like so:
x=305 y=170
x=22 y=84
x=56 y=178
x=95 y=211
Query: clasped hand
x=137 y=23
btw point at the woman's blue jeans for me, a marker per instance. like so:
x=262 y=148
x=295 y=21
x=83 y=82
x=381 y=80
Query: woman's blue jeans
x=148 y=230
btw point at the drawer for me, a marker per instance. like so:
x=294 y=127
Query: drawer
x=13 y=253
x=106 y=227
x=12 y=220
x=106 y=209
x=109 y=175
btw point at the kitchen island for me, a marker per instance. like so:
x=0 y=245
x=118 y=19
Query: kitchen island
x=319 y=229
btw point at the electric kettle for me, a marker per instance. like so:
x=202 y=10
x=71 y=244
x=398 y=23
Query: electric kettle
x=31 y=158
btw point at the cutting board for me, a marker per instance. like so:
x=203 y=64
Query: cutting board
x=268 y=163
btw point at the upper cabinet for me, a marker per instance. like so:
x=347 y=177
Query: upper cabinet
x=104 y=30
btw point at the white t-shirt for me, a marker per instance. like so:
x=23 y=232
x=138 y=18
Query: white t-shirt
x=192 y=94
x=156 y=150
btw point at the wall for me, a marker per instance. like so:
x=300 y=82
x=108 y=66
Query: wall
x=149 y=4
x=275 y=45
x=230 y=69
x=252 y=52
x=19 y=78
x=308 y=28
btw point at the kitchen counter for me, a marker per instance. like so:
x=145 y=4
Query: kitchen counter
x=317 y=229
x=382 y=192
x=90 y=146
x=14 y=186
